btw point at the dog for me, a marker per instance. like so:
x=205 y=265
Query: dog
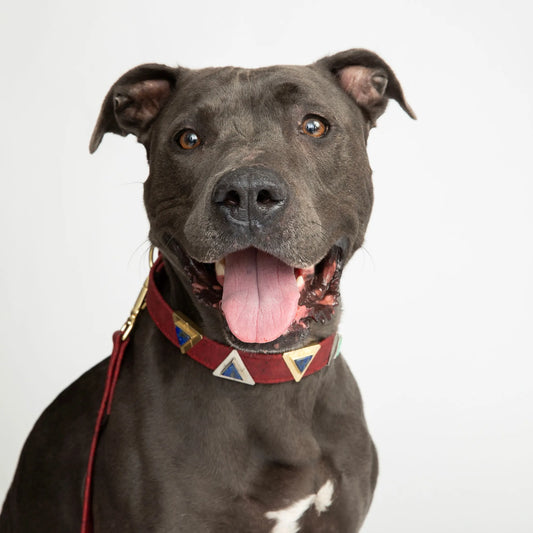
x=232 y=410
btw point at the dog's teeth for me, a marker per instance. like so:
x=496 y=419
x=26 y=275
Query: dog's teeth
x=220 y=267
x=300 y=282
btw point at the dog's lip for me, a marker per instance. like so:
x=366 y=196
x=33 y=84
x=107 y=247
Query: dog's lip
x=341 y=243
x=301 y=265
x=302 y=269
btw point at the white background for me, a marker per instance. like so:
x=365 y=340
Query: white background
x=438 y=319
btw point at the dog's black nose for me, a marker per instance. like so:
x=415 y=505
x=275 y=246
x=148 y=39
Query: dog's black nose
x=250 y=195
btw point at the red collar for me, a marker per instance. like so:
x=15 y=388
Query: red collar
x=228 y=363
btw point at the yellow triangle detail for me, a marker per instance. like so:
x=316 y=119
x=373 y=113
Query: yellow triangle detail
x=290 y=359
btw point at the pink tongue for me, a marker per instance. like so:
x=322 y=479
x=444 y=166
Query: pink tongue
x=260 y=296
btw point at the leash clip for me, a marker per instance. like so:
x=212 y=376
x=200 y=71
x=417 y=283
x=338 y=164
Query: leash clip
x=138 y=306
x=140 y=302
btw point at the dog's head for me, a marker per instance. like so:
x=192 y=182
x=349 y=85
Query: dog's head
x=259 y=188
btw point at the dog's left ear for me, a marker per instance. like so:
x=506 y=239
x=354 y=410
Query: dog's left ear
x=368 y=80
x=134 y=102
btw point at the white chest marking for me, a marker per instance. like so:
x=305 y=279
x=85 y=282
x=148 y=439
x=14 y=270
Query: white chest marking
x=287 y=519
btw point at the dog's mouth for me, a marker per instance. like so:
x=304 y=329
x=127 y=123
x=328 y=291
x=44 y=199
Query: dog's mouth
x=261 y=297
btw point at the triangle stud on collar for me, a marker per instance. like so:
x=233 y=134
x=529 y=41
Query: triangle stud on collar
x=187 y=333
x=299 y=361
x=234 y=369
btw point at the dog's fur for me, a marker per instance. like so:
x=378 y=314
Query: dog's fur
x=182 y=449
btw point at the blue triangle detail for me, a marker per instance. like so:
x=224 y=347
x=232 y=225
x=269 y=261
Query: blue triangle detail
x=231 y=372
x=182 y=336
x=303 y=362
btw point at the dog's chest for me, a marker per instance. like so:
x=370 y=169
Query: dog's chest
x=280 y=499
x=219 y=456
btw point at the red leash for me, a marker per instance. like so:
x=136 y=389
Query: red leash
x=119 y=347
x=121 y=340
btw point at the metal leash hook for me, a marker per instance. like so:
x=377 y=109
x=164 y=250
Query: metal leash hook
x=140 y=302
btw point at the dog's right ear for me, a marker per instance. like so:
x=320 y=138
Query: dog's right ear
x=134 y=101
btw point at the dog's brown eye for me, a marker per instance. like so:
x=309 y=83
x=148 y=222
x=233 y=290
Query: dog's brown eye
x=188 y=139
x=314 y=127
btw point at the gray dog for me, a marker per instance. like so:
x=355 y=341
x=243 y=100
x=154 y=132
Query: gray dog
x=233 y=411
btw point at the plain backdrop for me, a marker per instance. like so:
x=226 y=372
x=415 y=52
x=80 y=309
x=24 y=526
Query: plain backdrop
x=438 y=305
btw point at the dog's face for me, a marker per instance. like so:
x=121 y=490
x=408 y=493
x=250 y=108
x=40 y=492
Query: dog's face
x=259 y=188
